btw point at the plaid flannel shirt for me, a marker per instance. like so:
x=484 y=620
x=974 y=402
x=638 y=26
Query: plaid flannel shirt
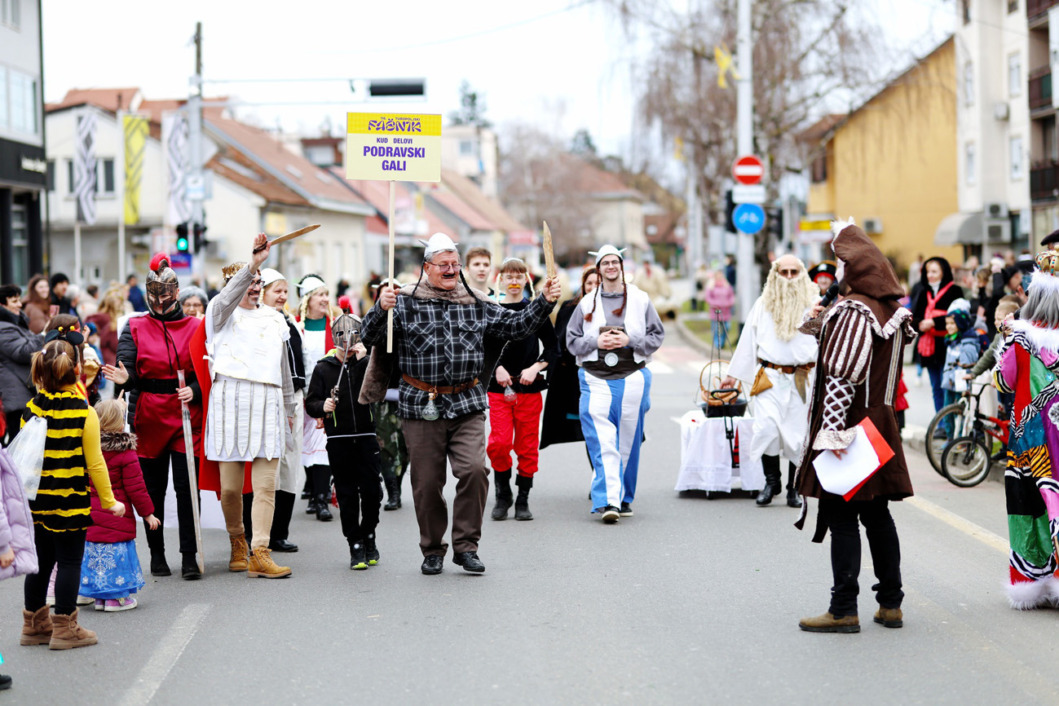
x=443 y=343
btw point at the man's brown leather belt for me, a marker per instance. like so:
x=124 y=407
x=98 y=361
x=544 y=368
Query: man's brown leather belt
x=439 y=389
x=788 y=369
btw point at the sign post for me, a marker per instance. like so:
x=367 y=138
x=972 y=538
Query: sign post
x=393 y=147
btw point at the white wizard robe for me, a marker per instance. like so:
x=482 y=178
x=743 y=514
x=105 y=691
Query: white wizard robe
x=781 y=417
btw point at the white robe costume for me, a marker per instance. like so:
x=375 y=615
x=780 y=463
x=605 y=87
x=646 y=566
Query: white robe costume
x=781 y=417
x=252 y=393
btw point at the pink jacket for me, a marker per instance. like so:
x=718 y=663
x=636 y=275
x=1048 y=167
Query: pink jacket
x=126 y=479
x=721 y=297
x=16 y=522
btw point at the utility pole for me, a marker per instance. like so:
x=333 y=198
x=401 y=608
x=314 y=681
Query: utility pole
x=196 y=179
x=747 y=284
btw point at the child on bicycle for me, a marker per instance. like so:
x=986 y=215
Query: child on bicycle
x=963 y=351
x=1005 y=310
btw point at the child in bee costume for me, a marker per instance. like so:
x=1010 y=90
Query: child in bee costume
x=352 y=447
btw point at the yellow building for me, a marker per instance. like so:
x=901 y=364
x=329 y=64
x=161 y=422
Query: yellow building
x=891 y=163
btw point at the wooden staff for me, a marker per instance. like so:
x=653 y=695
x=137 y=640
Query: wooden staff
x=549 y=255
x=189 y=453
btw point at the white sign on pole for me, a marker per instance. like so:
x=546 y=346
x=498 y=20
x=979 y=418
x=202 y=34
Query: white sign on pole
x=748 y=194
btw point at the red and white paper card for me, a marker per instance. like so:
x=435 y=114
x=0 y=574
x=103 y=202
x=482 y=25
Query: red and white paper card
x=867 y=454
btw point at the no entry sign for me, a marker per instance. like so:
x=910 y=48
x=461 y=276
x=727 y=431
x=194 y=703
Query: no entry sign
x=748 y=169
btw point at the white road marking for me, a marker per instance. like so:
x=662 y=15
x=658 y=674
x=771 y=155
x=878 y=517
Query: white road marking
x=165 y=656
x=990 y=539
x=659 y=368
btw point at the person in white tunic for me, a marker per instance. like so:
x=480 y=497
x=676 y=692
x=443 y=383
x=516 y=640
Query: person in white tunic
x=251 y=399
x=776 y=362
x=314 y=323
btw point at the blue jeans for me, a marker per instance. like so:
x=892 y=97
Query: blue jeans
x=935 y=383
x=720 y=333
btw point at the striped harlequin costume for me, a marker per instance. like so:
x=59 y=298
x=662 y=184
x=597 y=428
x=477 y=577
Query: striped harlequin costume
x=1028 y=361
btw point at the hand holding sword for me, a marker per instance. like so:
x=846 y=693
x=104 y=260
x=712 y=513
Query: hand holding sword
x=263 y=244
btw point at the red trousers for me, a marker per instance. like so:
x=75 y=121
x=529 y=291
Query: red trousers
x=514 y=426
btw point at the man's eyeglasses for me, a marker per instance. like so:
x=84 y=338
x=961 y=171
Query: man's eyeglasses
x=789 y=273
x=446 y=268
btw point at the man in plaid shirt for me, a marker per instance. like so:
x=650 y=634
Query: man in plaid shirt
x=439 y=328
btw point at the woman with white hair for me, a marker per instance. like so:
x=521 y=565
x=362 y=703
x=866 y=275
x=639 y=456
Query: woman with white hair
x=314 y=325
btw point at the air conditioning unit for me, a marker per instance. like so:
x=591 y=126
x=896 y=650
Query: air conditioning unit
x=996 y=210
x=998 y=231
x=1001 y=111
x=873 y=226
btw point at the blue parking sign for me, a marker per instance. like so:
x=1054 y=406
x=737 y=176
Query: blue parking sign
x=749 y=218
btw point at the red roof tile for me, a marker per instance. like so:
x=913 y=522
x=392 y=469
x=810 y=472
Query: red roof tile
x=292 y=169
x=469 y=192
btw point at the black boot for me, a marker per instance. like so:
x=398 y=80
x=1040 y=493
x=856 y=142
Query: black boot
x=502 y=479
x=371 y=549
x=156 y=542
x=773 y=480
x=323 y=512
x=792 y=495
x=393 y=493
x=522 y=511
x=189 y=567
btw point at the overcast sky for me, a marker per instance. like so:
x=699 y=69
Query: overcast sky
x=561 y=64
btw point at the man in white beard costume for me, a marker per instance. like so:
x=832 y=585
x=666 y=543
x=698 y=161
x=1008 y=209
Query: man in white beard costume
x=776 y=363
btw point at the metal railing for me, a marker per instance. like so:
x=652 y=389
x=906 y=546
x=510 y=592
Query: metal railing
x=1040 y=93
x=1044 y=180
x=1038 y=8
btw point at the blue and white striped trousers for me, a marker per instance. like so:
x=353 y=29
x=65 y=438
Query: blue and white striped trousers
x=612 y=414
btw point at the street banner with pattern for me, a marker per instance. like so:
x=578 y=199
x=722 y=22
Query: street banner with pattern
x=85 y=168
x=134 y=133
x=175 y=143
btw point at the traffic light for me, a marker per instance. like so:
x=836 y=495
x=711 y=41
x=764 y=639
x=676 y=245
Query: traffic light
x=182 y=244
x=199 y=237
x=729 y=211
x=774 y=219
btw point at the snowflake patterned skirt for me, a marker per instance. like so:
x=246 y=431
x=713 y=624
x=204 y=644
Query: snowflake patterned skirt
x=110 y=570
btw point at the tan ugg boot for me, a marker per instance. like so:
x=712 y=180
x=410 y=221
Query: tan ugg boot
x=238 y=562
x=36 y=627
x=262 y=566
x=67 y=634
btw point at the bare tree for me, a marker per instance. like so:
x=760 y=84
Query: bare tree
x=539 y=181
x=810 y=56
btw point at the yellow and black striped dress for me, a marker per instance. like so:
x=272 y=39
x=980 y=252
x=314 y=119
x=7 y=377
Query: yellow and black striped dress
x=71 y=454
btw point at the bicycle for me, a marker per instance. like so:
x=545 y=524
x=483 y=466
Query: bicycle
x=966 y=460
x=948 y=424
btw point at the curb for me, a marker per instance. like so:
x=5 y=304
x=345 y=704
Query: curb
x=697 y=343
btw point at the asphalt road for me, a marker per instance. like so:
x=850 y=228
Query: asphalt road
x=690 y=601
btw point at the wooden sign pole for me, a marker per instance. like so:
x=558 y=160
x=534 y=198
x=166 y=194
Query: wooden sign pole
x=389 y=314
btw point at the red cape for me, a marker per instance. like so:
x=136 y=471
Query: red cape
x=209 y=471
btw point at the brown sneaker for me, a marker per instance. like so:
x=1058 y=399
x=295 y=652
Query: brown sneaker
x=238 y=562
x=67 y=634
x=829 y=623
x=889 y=617
x=262 y=566
x=36 y=627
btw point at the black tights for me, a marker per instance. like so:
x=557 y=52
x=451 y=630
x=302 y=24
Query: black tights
x=65 y=549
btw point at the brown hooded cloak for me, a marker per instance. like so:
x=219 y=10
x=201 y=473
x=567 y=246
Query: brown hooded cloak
x=862 y=339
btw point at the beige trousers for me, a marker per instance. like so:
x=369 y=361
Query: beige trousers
x=263 y=480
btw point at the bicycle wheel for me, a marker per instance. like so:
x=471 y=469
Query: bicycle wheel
x=948 y=424
x=966 y=461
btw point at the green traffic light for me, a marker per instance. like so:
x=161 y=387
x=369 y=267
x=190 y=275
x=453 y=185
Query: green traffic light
x=182 y=244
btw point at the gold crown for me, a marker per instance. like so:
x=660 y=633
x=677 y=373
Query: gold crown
x=229 y=270
x=1048 y=262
